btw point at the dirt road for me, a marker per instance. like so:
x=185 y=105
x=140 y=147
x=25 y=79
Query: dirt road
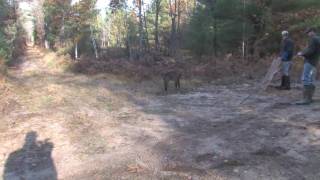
x=59 y=125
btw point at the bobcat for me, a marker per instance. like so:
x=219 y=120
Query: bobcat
x=171 y=76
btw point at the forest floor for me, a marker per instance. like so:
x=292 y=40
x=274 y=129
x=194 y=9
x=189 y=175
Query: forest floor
x=61 y=125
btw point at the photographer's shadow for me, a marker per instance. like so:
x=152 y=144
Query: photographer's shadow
x=32 y=162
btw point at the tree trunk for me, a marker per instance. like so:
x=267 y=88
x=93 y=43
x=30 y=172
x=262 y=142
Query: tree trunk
x=76 y=51
x=104 y=38
x=244 y=35
x=94 y=44
x=141 y=36
x=173 y=28
x=179 y=18
x=146 y=31
x=215 y=32
x=173 y=36
x=39 y=23
x=215 y=40
x=46 y=42
x=156 y=24
x=62 y=31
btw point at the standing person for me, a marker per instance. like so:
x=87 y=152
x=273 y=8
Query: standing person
x=311 y=57
x=286 y=54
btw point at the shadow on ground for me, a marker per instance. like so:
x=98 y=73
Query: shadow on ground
x=32 y=162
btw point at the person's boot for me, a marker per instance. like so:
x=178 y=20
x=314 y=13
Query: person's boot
x=287 y=83
x=313 y=90
x=307 y=95
x=282 y=83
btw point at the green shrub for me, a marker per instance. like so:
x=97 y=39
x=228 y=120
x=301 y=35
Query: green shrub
x=5 y=48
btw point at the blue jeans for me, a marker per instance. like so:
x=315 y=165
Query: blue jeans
x=285 y=68
x=309 y=74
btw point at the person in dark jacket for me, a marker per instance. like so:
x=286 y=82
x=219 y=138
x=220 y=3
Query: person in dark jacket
x=311 y=57
x=286 y=54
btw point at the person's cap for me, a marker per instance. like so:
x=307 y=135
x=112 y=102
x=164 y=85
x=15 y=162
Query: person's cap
x=309 y=30
x=285 y=33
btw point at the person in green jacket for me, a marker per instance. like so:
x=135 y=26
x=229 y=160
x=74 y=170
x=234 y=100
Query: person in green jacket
x=311 y=57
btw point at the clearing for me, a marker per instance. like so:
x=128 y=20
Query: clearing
x=59 y=125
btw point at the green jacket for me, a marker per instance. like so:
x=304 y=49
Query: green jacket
x=312 y=52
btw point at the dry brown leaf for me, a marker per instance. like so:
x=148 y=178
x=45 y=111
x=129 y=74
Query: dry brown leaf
x=134 y=168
